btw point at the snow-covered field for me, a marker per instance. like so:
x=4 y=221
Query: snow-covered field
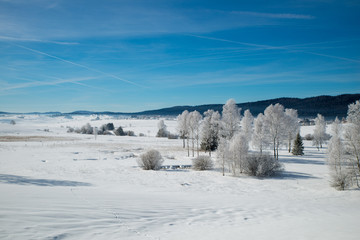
x=59 y=185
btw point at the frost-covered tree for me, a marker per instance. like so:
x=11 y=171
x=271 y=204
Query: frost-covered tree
x=246 y=125
x=352 y=136
x=223 y=154
x=298 y=148
x=194 y=129
x=292 y=125
x=182 y=126
x=238 y=150
x=162 y=132
x=210 y=131
x=319 y=131
x=230 y=119
x=259 y=137
x=336 y=160
x=275 y=126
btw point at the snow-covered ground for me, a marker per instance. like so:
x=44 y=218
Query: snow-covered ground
x=59 y=185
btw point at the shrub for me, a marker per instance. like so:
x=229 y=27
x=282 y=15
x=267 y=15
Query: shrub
x=119 y=132
x=86 y=129
x=309 y=137
x=107 y=127
x=261 y=165
x=202 y=163
x=341 y=180
x=12 y=122
x=151 y=160
x=130 y=133
x=172 y=136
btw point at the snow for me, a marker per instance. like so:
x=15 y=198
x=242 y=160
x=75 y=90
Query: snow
x=59 y=185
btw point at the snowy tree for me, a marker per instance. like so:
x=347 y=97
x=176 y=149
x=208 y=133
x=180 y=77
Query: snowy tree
x=336 y=160
x=238 y=150
x=258 y=137
x=292 y=125
x=162 y=132
x=223 y=154
x=230 y=119
x=352 y=136
x=275 y=126
x=319 y=131
x=298 y=148
x=210 y=131
x=194 y=129
x=182 y=126
x=246 y=125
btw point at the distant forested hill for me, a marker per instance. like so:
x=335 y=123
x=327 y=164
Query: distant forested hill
x=328 y=106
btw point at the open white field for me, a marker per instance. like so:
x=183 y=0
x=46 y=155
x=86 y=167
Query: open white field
x=59 y=185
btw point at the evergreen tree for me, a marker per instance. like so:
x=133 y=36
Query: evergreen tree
x=298 y=148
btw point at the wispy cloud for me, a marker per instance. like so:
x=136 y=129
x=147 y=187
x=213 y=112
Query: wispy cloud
x=274 y=15
x=32 y=83
x=18 y=39
x=79 y=65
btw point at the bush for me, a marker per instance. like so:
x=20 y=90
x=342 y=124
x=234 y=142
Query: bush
x=119 y=132
x=261 y=165
x=86 y=129
x=202 y=163
x=309 y=137
x=151 y=160
x=172 y=136
x=107 y=127
x=341 y=180
x=12 y=122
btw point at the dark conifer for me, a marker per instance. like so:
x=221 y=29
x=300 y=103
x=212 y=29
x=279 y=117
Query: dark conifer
x=298 y=148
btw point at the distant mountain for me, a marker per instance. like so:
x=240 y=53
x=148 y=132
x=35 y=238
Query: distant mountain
x=328 y=106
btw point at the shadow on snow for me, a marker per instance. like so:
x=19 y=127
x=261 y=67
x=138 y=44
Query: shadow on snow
x=294 y=175
x=301 y=161
x=21 y=180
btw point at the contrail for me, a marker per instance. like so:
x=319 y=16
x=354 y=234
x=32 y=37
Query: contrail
x=78 y=65
x=274 y=47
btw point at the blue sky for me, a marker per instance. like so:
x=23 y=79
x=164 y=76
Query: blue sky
x=128 y=56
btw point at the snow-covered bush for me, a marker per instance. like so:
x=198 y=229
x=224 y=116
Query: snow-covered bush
x=163 y=132
x=202 y=163
x=261 y=165
x=151 y=160
x=86 y=129
x=341 y=180
x=12 y=122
